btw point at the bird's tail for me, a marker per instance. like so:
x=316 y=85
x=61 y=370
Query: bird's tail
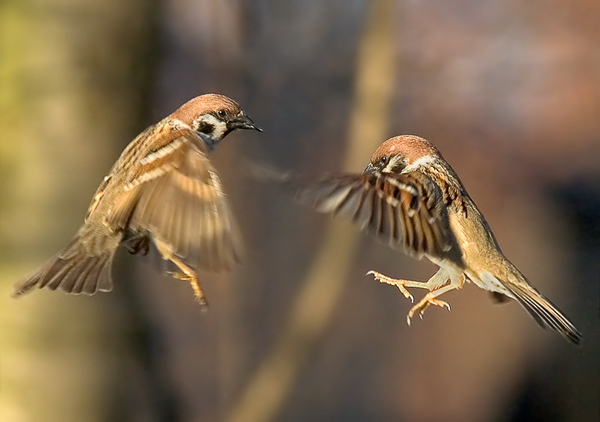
x=74 y=270
x=541 y=309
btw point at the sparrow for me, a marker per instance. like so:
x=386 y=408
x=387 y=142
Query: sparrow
x=162 y=189
x=411 y=198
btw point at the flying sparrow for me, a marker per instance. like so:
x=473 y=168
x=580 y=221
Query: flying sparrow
x=162 y=188
x=410 y=197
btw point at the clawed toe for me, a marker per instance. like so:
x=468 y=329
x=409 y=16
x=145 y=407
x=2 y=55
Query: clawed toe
x=379 y=276
x=195 y=283
x=179 y=276
x=400 y=284
x=423 y=304
x=203 y=303
x=139 y=244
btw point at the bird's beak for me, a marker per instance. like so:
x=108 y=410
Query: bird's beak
x=370 y=169
x=243 y=122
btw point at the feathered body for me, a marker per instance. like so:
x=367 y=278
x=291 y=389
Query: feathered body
x=410 y=197
x=162 y=188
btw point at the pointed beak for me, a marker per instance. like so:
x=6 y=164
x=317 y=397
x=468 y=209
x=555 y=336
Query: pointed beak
x=243 y=122
x=370 y=169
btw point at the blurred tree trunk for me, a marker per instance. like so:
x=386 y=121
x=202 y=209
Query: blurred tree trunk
x=74 y=76
x=269 y=387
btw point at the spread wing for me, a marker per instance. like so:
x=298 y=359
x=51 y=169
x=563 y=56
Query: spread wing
x=404 y=210
x=176 y=195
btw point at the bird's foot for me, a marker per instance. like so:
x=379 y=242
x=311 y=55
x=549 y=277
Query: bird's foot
x=429 y=299
x=139 y=244
x=195 y=283
x=400 y=284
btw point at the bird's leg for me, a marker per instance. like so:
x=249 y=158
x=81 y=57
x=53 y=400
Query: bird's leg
x=430 y=299
x=186 y=273
x=400 y=284
x=189 y=275
x=456 y=278
x=437 y=280
x=435 y=285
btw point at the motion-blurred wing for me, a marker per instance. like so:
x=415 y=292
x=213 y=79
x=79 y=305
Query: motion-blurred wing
x=177 y=197
x=403 y=210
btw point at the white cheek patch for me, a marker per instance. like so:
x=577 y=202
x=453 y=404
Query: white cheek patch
x=220 y=130
x=208 y=119
x=219 y=127
x=419 y=162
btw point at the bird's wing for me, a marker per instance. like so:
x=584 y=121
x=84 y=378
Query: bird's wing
x=404 y=210
x=175 y=194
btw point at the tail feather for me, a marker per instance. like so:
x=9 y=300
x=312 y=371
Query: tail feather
x=81 y=279
x=544 y=311
x=76 y=276
x=73 y=271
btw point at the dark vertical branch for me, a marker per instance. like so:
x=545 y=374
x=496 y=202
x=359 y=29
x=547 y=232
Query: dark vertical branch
x=75 y=75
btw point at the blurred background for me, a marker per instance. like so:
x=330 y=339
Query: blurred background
x=508 y=91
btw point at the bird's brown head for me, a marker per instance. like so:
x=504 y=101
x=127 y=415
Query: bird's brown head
x=401 y=153
x=213 y=116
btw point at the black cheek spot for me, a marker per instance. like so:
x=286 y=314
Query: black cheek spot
x=206 y=128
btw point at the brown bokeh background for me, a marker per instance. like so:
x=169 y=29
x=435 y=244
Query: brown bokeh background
x=508 y=91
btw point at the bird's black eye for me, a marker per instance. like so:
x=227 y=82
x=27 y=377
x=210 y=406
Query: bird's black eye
x=384 y=160
x=221 y=113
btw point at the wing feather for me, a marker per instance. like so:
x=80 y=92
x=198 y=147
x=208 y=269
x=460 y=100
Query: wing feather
x=179 y=201
x=403 y=210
